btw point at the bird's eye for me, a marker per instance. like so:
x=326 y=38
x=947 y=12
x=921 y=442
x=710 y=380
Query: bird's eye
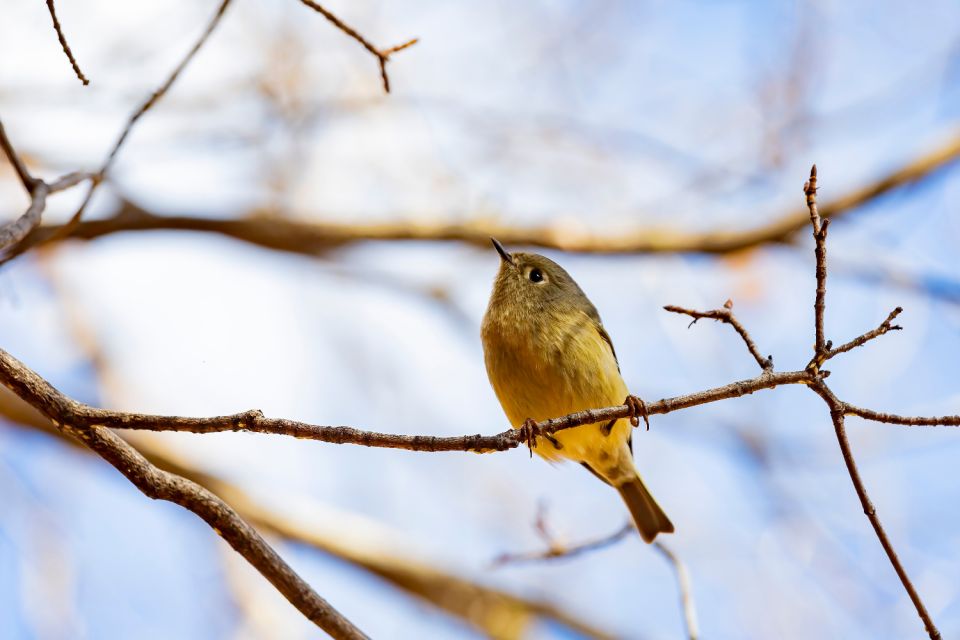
x=536 y=275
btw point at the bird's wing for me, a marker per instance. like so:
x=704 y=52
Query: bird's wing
x=606 y=337
x=594 y=315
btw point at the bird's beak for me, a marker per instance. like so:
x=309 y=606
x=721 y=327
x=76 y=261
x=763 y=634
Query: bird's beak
x=506 y=257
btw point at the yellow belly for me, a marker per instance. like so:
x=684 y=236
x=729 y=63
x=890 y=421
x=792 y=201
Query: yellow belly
x=535 y=382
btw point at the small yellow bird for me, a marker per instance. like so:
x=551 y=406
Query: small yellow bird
x=547 y=355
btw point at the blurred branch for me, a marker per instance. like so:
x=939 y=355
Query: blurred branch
x=309 y=238
x=382 y=55
x=144 y=107
x=13 y=233
x=497 y=613
x=64 y=45
x=557 y=549
x=684 y=588
x=163 y=485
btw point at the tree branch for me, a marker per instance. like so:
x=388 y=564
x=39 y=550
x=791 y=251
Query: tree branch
x=490 y=610
x=726 y=315
x=382 y=55
x=13 y=233
x=820 y=348
x=42 y=395
x=27 y=180
x=837 y=410
x=163 y=485
x=556 y=549
x=884 y=327
x=154 y=97
x=64 y=45
x=273 y=231
x=684 y=588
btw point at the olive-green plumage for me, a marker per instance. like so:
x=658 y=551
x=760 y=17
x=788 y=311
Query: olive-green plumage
x=547 y=355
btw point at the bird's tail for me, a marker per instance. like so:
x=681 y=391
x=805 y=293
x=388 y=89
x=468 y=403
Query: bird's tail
x=647 y=514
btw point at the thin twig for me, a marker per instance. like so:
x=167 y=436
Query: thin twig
x=820 y=347
x=154 y=97
x=684 y=588
x=13 y=233
x=163 y=485
x=908 y=421
x=884 y=327
x=64 y=45
x=382 y=55
x=556 y=549
x=726 y=315
x=27 y=180
x=837 y=410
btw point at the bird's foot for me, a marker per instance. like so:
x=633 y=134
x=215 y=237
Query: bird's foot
x=638 y=409
x=531 y=430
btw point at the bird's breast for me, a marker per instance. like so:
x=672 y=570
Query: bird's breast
x=551 y=368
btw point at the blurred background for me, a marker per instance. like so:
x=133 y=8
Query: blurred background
x=581 y=119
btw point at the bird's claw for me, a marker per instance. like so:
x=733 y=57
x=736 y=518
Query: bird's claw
x=531 y=430
x=638 y=409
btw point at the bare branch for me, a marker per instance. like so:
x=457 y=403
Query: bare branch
x=144 y=107
x=909 y=421
x=823 y=351
x=556 y=549
x=382 y=55
x=685 y=589
x=64 y=45
x=837 y=410
x=163 y=485
x=27 y=180
x=820 y=347
x=42 y=395
x=884 y=327
x=489 y=609
x=726 y=315
x=273 y=231
x=13 y=233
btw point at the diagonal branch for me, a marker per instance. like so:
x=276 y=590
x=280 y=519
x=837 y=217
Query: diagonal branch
x=341 y=536
x=726 y=315
x=884 y=328
x=13 y=233
x=141 y=110
x=684 y=588
x=382 y=55
x=556 y=549
x=64 y=45
x=27 y=180
x=163 y=485
x=837 y=410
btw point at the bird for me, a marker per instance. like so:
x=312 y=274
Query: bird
x=547 y=355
